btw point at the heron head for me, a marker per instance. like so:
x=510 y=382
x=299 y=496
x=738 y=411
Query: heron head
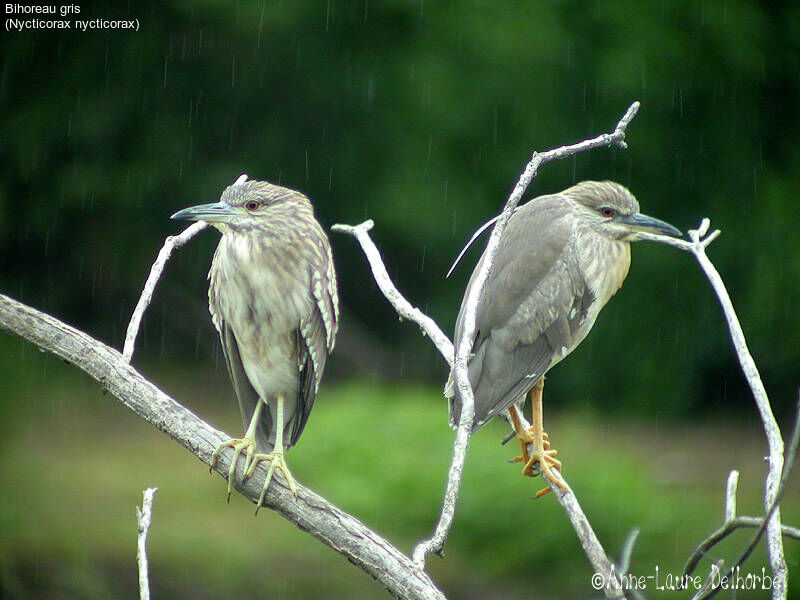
x=245 y=204
x=610 y=208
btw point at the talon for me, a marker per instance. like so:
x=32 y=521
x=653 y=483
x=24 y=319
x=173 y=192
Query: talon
x=276 y=461
x=239 y=445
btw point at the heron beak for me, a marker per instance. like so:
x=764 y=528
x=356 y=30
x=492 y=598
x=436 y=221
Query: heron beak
x=216 y=212
x=640 y=223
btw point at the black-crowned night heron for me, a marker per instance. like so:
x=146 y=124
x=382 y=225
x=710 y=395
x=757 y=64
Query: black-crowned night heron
x=560 y=259
x=272 y=297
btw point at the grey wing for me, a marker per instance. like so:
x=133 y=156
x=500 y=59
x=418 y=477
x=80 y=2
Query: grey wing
x=315 y=340
x=523 y=315
x=515 y=356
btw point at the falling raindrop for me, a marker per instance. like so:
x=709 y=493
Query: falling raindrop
x=260 y=25
x=163 y=329
x=328 y=16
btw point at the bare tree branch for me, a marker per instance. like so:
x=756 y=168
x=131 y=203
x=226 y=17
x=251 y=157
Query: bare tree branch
x=144 y=517
x=395 y=298
x=730 y=495
x=172 y=242
x=308 y=511
x=627 y=551
x=775 y=553
x=435 y=544
x=732 y=522
x=591 y=545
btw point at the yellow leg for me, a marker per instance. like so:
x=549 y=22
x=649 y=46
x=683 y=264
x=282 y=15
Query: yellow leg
x=247 y=444
x=276 y=458
x=542 y=457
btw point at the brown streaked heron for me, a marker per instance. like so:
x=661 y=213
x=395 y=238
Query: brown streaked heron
x=560 y=259
x=273 y=300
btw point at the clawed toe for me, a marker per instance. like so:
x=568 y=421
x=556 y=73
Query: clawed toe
x=239 y=445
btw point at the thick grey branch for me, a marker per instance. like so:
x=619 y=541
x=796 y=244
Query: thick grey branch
x=308 y=511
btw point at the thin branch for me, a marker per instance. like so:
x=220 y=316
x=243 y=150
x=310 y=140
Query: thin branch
x=172 y=242
x=713 y=575
x=741 y=522
x=395 y=298
x=789 y=461
x=775 y=444
x=144 y=517
x=308 y=511
x=436 y=543
x=627 y=551
x=630 y=591
x=730 y=495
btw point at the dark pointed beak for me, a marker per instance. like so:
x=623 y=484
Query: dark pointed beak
x=216 y=212
x=643 y=223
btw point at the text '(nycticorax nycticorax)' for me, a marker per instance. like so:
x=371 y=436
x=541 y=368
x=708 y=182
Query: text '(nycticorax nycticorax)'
x=272 y=297
x=560 y=259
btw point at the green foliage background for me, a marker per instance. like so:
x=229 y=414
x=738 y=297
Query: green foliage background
x=419 y=115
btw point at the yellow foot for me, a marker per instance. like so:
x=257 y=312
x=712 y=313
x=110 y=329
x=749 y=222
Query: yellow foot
x=539 y=460
x=544 y=461
x=246 y=445
x=525 y=439
x=276 y=461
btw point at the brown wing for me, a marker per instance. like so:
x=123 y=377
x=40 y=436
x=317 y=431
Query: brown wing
x=316 y=336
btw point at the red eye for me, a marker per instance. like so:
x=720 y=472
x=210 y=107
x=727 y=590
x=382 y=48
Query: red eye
x=607 y=212
x=252 y=205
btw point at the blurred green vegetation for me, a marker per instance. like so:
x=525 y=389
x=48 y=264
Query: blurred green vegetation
x=420 y=115
x=75 y=464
